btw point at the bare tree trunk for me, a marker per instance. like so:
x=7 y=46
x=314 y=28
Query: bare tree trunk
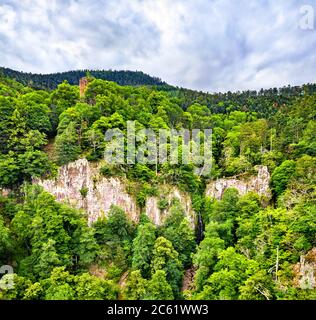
x=277 y=265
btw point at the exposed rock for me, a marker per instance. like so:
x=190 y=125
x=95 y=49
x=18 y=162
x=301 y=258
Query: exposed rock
x=83 y=83
x=4 y=192
x=305 y=271
x=97 y=271
x=102 y=192
x=122 y=284
x=258 y=184
x=188 y=279
x=170 y=193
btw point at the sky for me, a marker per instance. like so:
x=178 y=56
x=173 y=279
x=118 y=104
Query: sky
x=209 y=45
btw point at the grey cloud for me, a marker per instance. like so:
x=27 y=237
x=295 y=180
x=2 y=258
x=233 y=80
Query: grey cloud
x=209 y=45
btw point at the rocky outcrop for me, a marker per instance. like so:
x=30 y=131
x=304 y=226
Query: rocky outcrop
x=4 y=192
x=188 y=279
x=305 y=271
x=80 y=185
x=169 y=194
x=258 y=184
x=83 y=83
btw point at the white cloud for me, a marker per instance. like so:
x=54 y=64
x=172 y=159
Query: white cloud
x=201 y=44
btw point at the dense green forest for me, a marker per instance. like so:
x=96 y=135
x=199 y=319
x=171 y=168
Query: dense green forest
x=249 y=245
x=264 y=102
x=51 y=81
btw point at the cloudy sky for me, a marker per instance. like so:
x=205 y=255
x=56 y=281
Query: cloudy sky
x=211 y=45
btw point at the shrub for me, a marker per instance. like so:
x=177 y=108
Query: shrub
x=84 y=192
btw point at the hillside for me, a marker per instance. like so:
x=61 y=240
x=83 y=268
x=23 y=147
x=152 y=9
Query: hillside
x=82 y=223
x=51 y=81
x=265 y=101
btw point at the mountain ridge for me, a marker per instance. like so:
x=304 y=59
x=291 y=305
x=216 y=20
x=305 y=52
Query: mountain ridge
x=264 y=101
x=51 y=80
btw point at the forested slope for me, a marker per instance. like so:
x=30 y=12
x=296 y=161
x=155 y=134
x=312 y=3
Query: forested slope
x=51 y=81
x=250 y=246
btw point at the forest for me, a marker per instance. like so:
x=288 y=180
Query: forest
x=248 y=246
x=51 y=81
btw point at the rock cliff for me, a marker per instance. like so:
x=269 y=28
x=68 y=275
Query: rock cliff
x=169 y=194
x=80 y=185
x=305 y=271
x=258 y=184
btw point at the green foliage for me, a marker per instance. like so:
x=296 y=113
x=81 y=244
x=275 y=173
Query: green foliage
x=178 y=230
x=207 y=255
x=84 y=192
x=250 y=244
x=50 y=234
x=15 y=292
x=47 y=259
x=259 y=286
x=114 y=234
x=64 y=97
x=145 y=191
x=21 y=157
x=230 y=272
x=61 y=285
x=92 y=288
x=136 y=287
x=111 y=170
x=116 y=227
x=67 y=147
x=265 y=242
x=33 y=107
x=282 y=175
x=143 y=245
x=141 y=172
x=5 y=241
x=51 y=81
x=166 y=258
x=163 y=204
x=159 y=288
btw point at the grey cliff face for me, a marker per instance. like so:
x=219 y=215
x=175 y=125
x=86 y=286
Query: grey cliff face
x=258 y=184
x=102 y=192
